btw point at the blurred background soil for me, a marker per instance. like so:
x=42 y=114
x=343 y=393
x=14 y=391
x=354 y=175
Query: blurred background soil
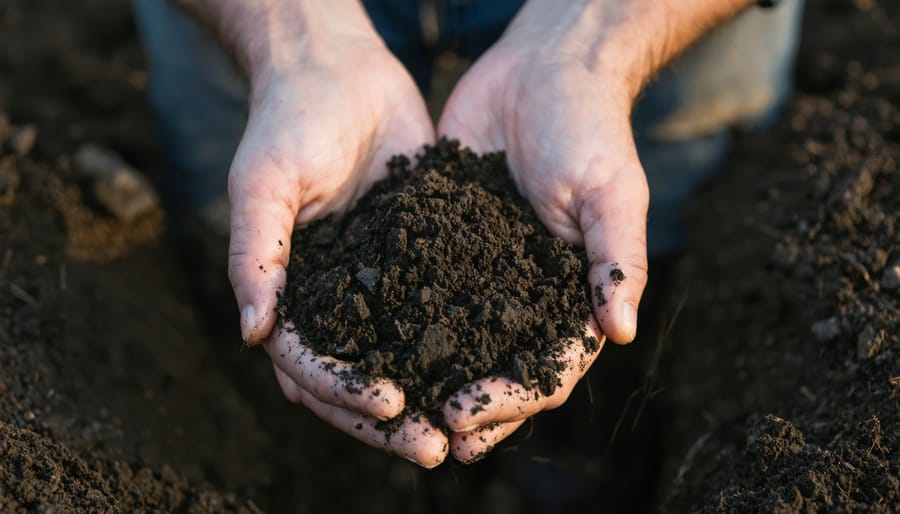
x=776 y=389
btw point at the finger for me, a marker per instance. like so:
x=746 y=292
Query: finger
x=416 y=439
x=501 y=400
x=263 y=210
x=472 y=446
x=331 y=380
x=290 y=388
x=612 y=217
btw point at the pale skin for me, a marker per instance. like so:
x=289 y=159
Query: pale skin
x=329 y=105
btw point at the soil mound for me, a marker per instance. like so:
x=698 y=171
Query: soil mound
x=441 y=275
x=38 y=475
x=801 y=400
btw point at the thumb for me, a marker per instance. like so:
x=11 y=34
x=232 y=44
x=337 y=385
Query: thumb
x=613 y=220
x=262 y=219
x=463 y=119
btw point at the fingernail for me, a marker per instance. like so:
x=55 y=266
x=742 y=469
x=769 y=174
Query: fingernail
x=248 y=322
x=417 y=463
x=467 y=428
x=629 y=320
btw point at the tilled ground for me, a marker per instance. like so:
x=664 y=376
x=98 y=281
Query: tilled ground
x=778 y=389
x=785 y=365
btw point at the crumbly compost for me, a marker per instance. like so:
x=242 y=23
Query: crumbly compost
x=441 y=275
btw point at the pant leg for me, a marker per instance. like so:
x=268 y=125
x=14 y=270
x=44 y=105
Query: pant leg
x=398 y=23
x=469 y=27
x=200 y=103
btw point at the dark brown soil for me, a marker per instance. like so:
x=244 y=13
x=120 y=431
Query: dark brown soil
x=441 y=275
x=787 y=373
x=39 y=475
x=777 y=391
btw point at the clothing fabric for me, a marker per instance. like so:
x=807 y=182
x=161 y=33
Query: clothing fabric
x=739 y=75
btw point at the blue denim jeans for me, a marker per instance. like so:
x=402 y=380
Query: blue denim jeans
x=739 y=75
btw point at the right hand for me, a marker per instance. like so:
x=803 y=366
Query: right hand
x=320 y=131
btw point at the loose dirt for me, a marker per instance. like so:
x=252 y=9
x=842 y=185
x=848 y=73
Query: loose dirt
x=777 y=390
x=441 y=275
x=793 y=359
x=43 y=476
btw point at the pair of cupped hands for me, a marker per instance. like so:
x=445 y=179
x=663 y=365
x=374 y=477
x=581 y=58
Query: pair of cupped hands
x=318 y=136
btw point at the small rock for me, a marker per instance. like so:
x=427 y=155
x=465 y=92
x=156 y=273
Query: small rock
x=423 y=295
x=890 y=278
x=869 y=342
x=354 y=305
x=786 y=254
x=509 y=312
x=369 y=277
x=878 y=259
x=22 y=141
x=826 y=330
x=120 y=188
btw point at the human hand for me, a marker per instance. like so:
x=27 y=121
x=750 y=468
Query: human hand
x=565 y=128
x=354 y=404
x=322 y=124
x=477 y=427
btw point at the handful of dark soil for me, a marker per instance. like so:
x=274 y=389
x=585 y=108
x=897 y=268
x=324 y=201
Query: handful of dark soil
x=441 y=275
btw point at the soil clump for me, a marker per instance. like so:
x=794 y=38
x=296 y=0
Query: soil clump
x=39 y=475
x=441 y=275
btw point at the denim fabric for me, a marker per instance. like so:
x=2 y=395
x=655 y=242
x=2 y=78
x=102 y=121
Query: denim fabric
x=741 y=74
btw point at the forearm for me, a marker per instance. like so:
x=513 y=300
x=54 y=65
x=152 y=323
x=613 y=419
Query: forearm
x=266 y=36
x=628 y=40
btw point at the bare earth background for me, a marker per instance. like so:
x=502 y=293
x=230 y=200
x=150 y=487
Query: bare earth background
x=778 y=388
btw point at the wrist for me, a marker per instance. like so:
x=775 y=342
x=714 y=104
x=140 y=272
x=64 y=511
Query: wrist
x=268 y=38
x=292 y=37
x=621 y=43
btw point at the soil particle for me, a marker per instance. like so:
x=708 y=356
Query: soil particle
x=440 y=276
x=601 y=298
x=890 y=279
x=826 y=330
x=616 y=275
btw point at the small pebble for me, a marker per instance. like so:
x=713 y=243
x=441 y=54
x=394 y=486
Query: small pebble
x=123 y=190
x=826 y=330
x=23 y=140
x=869 y=342
x=890 y=278
x=369 y=277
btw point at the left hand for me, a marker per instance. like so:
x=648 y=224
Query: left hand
x=566 y=131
